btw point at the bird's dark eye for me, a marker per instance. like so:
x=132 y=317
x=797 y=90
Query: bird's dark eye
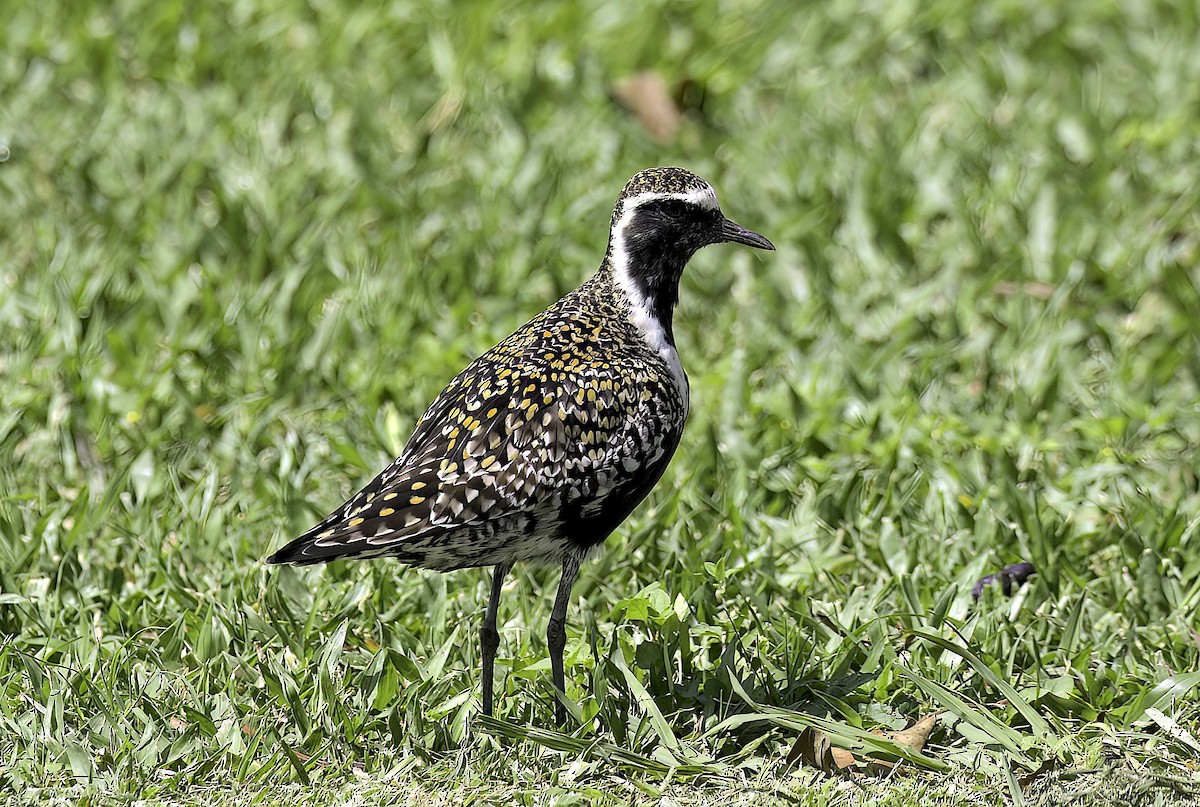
x=669 y=208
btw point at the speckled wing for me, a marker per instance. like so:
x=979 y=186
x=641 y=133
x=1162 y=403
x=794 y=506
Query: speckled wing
x=506 y=450
x=462 y=469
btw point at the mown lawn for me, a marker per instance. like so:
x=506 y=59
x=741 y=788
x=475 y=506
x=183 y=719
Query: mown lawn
x=244 y=243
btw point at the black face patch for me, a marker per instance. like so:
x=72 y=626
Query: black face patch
x=659 y=239
x=668 y=208
x=673 y=224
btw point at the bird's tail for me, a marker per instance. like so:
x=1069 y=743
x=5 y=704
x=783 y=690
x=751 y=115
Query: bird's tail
x=294 y=553
x=307 y=551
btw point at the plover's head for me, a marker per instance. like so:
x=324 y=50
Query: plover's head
x=661 y=218
x=673 y=209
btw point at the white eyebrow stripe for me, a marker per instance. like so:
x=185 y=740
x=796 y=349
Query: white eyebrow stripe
x=704 y=197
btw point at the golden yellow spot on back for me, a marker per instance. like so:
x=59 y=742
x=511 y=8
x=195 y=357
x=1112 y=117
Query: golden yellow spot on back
x=416 y=499
x=415 y=486
x=390 y=496
x=354 y=522
x=387 y=511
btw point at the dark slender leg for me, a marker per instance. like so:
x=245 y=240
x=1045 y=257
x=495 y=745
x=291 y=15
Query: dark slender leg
x=489 y=637
x=556 y=634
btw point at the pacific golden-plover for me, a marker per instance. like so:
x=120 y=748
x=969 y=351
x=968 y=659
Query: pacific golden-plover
x=542 y=446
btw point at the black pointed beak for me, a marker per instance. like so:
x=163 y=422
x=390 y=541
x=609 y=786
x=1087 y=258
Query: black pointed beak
x=737 y=234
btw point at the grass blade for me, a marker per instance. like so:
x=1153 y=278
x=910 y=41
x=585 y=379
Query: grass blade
x=1036 y=722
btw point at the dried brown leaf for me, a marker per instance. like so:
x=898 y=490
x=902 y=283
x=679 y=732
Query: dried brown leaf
x=813 y=749
x=842 y=759
x=647 y=97
x=916 y=735
x=1031 y=288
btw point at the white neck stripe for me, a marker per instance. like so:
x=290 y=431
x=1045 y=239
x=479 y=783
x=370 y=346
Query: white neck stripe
x=640 y=313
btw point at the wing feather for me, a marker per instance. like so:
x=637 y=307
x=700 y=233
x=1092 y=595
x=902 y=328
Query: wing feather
x=529 y=430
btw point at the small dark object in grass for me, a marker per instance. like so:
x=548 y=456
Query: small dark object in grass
x=1017 y=573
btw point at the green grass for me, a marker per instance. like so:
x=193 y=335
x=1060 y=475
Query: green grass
x=243 y=244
